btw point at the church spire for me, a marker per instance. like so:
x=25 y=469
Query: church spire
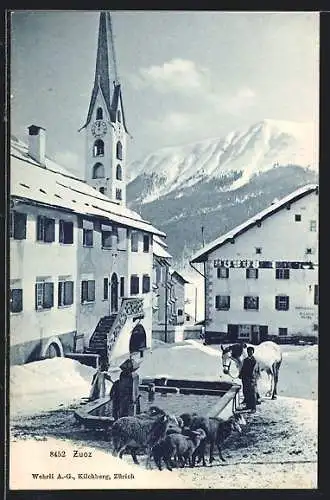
x=106 y=76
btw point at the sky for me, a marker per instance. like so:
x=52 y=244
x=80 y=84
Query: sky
x=185 y=75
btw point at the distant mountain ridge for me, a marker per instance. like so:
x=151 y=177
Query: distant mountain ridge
x=218 y=183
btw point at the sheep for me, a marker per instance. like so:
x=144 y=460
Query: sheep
x=178 y=446
x=173 y=428
x=216 y=431
x=141 y=431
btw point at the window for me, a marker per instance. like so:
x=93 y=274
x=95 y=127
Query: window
x=87 y=291
x=119 y=173
x=223 y=272
x=118 y=194
x=282 y=303
x=252 y=273
x=119 y=115
x=134 y=241
x=297 y=217
x=66 y=232
x=45 y=229
x=315 y=327
x=251 y=303
x=99 y=114
x=312 y=225
x=44 y=294
x=316 y=295
x=106 y=289
x=122 y=286
x=309 y=251
x=180 y=312
x=102 y=190
x=119 y=151
x=98 y=148
x=98 y=171
x=106 y=238
x=16 y=300
x=258 y=250
x=282 y=332
x=17 y=225
x=134 y=284
x=244 y=331
x=65 y=293
x=146 y=242
x=145 y=283
x=222 y=302
x=282 y=274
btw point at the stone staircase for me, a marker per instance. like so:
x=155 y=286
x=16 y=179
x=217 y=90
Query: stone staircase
x=98 y=341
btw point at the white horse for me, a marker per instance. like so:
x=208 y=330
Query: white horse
x=268 y=356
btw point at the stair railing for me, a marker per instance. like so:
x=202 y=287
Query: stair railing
x=130 y=307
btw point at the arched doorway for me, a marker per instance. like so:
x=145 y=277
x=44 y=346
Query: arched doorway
x=114 y=293
x=138 y=340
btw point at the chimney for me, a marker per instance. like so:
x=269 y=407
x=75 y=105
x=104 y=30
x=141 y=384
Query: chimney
x=37 y=143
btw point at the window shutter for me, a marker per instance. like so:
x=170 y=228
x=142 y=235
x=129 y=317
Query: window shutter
x=276 y=302
x=40 y=235
x=68 y=293
x=59 y=293
x=91 y=290
x=61 y=234
x=228 y=299
x=49 y=230
x=19 y=226
x=48 y=295
x=84 y=291
x=36 y=295
x=69 y=232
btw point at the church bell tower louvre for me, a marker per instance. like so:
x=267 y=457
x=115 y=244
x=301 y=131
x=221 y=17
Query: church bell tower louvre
x=105 y=126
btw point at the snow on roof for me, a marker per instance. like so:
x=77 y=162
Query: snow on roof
x=160 y=241
x=56 y=186
x=200 y=256
x=159 y=251
x=174 y=271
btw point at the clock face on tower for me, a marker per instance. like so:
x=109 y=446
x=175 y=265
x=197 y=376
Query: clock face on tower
x=99 y=128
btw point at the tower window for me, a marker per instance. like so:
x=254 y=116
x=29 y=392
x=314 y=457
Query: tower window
x=118 y=194
x=102 y=190
x=119 y=151
x=119 y=115
x=98 y=148
x=119 y=173
x=297 y=217
x=98 y=171
x=99 y=114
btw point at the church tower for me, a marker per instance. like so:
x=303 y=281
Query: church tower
x=105 y=127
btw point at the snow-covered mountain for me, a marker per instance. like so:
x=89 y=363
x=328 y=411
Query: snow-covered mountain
x=217 y=183
x=234 y=158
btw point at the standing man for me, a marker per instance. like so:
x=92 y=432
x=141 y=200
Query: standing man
x=248 y=377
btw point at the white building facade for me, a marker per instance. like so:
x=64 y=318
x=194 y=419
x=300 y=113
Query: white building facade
x=261 y=278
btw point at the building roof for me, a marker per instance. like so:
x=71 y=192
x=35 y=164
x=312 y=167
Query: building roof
x=105 y=76
x=201 y=255
x=160 y=251
x=55 y=186
x=160 y=241
x=176 y=273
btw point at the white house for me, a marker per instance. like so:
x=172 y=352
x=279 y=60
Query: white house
x=261 y=278
x=81 y=262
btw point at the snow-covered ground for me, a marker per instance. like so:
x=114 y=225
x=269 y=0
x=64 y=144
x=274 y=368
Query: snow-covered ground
x=281 y=435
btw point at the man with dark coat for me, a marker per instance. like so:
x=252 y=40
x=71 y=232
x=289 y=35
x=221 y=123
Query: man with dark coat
x=248 y=377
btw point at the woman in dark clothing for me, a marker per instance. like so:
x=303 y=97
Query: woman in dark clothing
x=248 y=377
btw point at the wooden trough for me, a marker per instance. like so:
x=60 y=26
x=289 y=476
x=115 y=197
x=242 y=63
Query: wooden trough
x=176 y=396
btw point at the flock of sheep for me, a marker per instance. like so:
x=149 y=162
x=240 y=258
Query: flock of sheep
x=173 y=440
